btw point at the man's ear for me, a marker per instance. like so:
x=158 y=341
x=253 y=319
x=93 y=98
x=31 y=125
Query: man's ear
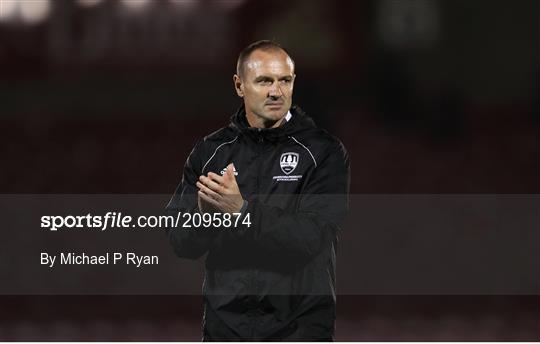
x=238 y=86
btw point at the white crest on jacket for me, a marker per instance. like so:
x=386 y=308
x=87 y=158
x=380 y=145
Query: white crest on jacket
x=288 y=162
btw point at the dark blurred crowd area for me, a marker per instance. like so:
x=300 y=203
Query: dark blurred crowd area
x=428 y=96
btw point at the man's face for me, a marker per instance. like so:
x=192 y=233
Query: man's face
x=267 y=87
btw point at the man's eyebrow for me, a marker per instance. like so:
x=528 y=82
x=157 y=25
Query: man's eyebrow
x=267 y=78
x=263 y=78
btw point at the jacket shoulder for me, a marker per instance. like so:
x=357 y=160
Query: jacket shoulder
x=205 y=147
x=220 y=136
x=322 y=143
x=210 y=142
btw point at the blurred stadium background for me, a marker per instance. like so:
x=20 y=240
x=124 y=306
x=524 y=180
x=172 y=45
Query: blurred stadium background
x=429 y=96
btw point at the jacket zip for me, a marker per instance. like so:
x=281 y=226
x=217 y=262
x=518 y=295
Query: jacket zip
x=255 y=272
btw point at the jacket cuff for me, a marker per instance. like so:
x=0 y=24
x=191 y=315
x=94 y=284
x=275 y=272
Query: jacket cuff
x=244 y=207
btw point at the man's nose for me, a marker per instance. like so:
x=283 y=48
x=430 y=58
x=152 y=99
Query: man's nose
x=275 y=91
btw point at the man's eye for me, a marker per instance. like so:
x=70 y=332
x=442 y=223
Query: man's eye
x=265 y=82
x=286 y=81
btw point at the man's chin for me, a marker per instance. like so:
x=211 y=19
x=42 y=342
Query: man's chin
x=270 y=118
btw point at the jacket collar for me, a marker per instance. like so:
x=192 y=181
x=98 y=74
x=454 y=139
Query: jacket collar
x=299 y=121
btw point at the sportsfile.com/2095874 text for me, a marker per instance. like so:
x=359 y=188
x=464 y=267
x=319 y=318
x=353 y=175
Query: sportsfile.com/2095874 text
x=116 y=220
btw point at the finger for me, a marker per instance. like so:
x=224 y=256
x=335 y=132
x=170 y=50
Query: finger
x=208 y=191
x=216 y=177
x=208 y=199
x=211 y=184
x=230 y=171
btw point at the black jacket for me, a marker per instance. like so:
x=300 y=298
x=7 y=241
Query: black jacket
x=276 y=279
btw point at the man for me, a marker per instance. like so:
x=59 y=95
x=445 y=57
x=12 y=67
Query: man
x=273 y=276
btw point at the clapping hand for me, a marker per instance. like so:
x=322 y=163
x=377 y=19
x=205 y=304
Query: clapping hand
x=220 y=193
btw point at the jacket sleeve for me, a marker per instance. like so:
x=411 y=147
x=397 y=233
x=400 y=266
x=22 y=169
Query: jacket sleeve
x=189 y=243
x=304 y=231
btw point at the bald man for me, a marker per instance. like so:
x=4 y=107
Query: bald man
x=270 y=275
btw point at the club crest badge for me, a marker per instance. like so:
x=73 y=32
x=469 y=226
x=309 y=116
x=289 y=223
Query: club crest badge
x=288 y=162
